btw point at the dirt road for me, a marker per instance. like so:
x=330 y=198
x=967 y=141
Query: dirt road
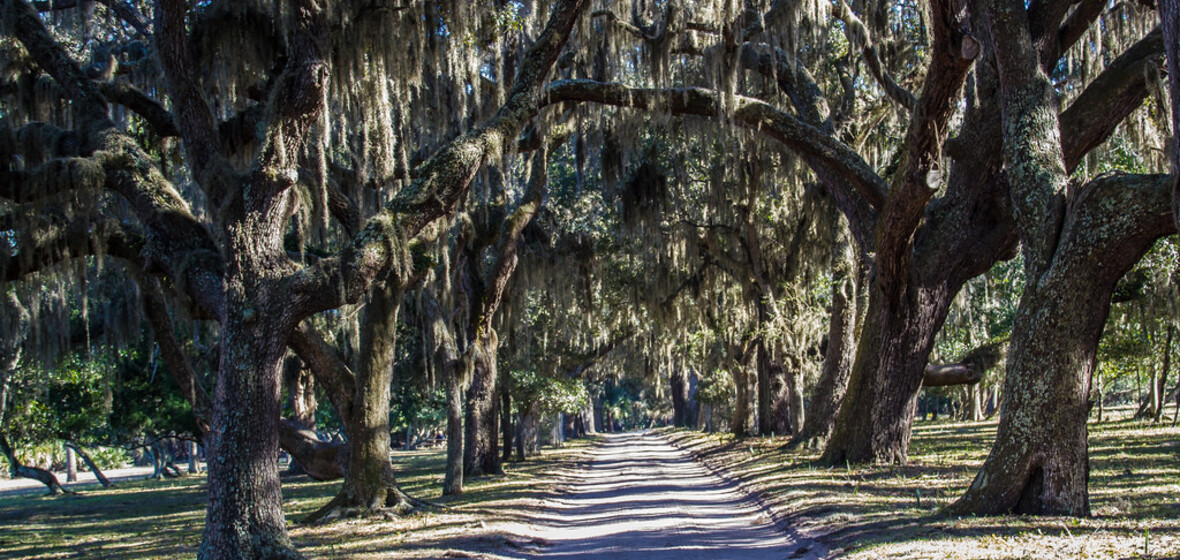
x=641 y=498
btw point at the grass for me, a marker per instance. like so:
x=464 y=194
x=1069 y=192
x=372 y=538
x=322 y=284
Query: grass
x=859 y=512
x=895 y=511
x=147 y=519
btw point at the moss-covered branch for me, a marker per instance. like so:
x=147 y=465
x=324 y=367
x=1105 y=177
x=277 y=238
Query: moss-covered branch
x=748 y=112
x=440 y=183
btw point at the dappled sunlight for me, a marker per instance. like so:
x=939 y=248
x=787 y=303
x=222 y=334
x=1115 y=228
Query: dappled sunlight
x=895 y=511
x=642 y=498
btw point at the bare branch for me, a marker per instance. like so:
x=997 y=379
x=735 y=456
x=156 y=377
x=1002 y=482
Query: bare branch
x=128 y=13
x=331 y=372
x=179 y=366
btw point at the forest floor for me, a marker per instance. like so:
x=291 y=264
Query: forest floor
x=567 y=502
x=895 y=511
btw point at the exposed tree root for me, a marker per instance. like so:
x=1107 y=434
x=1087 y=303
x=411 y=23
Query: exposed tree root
x=394 y=504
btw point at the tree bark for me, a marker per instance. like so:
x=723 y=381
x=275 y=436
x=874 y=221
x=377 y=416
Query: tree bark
x=1075 y=248
x=370 y=484
x=453 y=482
x=877 y=412
x=681 y=403
x=764 y=387
x=245 y=517
x=481 y=449
x=98 y=474
x=71 y=465
x=1170 y=24
x=740 y=424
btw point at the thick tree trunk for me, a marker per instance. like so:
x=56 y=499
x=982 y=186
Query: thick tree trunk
x=681 y=405
x=527 y=444
x=481 y=449
x=370 y=485
x=778 y=419
x=586 y=419
x=740 y=424
x=1170 y=22
x=877 y=413
x=764 y=389
x=244 y=518
x=1075 y=248
x=1040 y=462
x=453 y=481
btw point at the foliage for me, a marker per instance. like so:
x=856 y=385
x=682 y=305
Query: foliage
x=544 y=395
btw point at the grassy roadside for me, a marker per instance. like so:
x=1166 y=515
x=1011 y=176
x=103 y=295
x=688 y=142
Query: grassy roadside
x=148 y=519
x=895 y=512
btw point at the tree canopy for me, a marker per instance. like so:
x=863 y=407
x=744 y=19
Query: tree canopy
x=811 y=218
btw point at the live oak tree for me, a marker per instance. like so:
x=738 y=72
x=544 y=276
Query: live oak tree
x=322 y=166
x=1077 y=241
x=235 y=267
x=939 y=214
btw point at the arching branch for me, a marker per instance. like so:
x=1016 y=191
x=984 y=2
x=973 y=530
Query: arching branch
x=179 y=366
x=749 y=113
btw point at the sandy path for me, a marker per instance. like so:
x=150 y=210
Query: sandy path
x=86 y=480
x=641 y=498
